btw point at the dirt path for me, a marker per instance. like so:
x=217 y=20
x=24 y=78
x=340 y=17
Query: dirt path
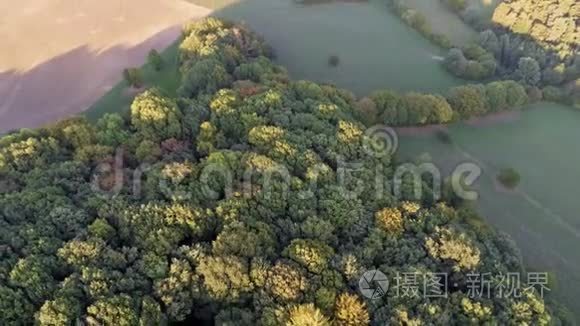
x=60 y=56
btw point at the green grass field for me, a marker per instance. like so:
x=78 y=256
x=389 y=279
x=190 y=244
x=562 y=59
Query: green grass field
x=484 y=8
x=376 y=53
x=375 y=48
x=443 y=21
x=542 y=213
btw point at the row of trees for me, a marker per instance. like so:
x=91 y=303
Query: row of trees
x=500 y=54
x=460 y=103
x=518 y=40
x=147 y=220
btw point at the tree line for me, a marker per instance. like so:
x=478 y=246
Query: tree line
x=548 y=71
x=460 y=103
x=533 y=42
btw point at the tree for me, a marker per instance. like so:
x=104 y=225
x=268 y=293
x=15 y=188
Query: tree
x=205 y=76
x=117 y=310
x=312 y=254
x=61 y=311
x=133 y=77
x=155 y=60
x=447 y=244
x=147 y=151
x=528 y=71
x=456 y=62
x=509 y=177
x=15 y=307
x=387 y=103
x=367 y=110
x=333 y=60
x=489 y=41
x=468 y=101
x=286 y=281
x=517 y=95
x=350 y=311
x=306 y=315
x=225 y=278
x=235 y=316
x=426 y=109
x=177 y=289
x=497 y=96
x=390 y=220
x=246 y=241
x=33 y=274
x=111 y=130
x=156 y=116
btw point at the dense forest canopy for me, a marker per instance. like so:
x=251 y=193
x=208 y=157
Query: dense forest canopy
x=228 y=205
x=555 y=23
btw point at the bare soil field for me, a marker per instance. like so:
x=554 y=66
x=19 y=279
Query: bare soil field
x=60 y=56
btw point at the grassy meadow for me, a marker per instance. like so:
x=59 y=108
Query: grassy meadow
x=375 y=48
x=443 y=21
x=541 y=214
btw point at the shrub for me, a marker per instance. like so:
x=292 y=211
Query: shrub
x=552 y=93
x=443 y=136
x=441 y=40
x=133 y=77
x=509 y=178
x=333 y=60
x=155 y=59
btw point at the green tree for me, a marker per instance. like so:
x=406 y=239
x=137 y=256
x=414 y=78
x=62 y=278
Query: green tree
x=528 y=71
x=61 y=311
x=205 y=76
x=517 y=95
x=468 y=101
x=133 y=77
x=155 y=60
x=156 y=116
x=497 y=96
x=15 y=307
x=225 y=278
x=312 y=254
x=177 y=290
x=116 y=310
x=350 y=311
